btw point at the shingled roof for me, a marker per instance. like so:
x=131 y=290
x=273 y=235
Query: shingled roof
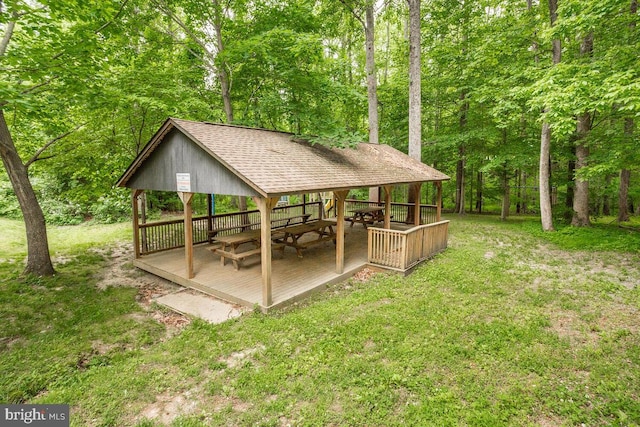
x=277 y=163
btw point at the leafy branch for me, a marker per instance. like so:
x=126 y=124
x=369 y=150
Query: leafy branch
x=38 y=154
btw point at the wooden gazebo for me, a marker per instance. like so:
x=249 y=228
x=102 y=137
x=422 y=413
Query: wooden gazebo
x=190 y=157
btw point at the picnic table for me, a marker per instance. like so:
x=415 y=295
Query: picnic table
x=367 y=216
x=290 y=236
x=275 y=224
x=231 y=244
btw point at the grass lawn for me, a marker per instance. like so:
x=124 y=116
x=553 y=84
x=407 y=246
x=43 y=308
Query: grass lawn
x=509 y=326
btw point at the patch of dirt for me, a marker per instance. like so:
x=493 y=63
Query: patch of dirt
x=171 y=319
x=120 y=273
x=62 y=259
x=568 y=325
x=617 y=269
x=167 y=408
x=235 y=359
x=549 y=420
x=364 y=275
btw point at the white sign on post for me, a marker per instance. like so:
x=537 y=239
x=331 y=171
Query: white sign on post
x=184 y=182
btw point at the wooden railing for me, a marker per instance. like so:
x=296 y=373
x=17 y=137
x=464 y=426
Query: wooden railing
x=399 y=211
x=165 y=235
x=402 y=249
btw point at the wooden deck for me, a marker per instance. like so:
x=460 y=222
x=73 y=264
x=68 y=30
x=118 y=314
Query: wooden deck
x=293 y=278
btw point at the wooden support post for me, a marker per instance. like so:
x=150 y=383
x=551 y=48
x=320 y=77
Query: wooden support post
x=304 y=204
x=266 y=205
x=136 y=225
x=416 y=207
x=209 y=217
x=387 y=206
x=438 y=201
x=188 y=232
x=340 y=197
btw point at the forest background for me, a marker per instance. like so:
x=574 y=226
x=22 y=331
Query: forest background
x=86 y=84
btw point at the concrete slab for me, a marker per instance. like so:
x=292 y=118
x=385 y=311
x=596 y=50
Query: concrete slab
x=200 y=305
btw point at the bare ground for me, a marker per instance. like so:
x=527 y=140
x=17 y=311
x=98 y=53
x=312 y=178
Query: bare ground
x=121 y=272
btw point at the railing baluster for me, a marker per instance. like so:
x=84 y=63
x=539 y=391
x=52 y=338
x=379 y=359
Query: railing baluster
x=402 y=249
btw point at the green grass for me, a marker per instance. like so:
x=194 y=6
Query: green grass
x=62 y=239
x=509 y=326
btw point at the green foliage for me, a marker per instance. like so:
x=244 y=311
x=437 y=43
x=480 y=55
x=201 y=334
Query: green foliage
x=111 y=72
x=9 y=207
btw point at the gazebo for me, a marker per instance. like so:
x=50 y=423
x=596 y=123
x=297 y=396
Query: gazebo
x=191 y=157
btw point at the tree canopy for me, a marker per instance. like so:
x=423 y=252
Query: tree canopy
x=85 y=84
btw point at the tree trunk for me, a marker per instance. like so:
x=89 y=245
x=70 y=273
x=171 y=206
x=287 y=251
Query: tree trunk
x=546 y=214
x=525 y=193
x=629 y=125
x=625 y=179
x=623 y=195
x=581 y=190
x=518 y=191
x=225 y=87
x=372 y=86
x=460 y=185
x=606 y=199
x=479 y=192
x=372 y=81
x=571 y=176
x=415 y=106
x=460 y=164
x=506 y=192
x=415 y=112
x=38 y=257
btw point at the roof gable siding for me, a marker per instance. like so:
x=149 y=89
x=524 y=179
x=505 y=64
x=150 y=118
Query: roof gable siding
x=178 y=154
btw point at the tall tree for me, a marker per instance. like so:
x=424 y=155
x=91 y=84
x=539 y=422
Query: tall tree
x=415 y=94
x=581 y=185
x=415 y=103
x=546 y=215
x=629 y=127
x=211 y=46
x=38 y=257
x=368 y=23
x=39 y=42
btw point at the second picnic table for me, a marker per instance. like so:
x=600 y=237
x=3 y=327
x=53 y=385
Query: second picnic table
x=290 y=236
x=367 y=216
